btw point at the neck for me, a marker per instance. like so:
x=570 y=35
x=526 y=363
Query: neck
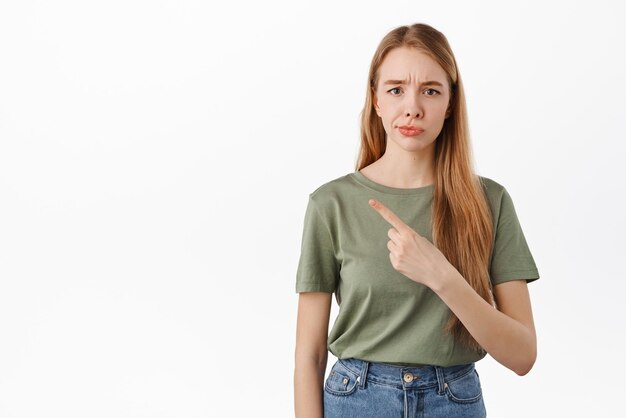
x=404 y=169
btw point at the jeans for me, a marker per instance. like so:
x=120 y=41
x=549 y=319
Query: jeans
x=358 y=388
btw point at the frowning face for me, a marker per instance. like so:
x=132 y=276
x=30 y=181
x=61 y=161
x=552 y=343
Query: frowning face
x=411 y=98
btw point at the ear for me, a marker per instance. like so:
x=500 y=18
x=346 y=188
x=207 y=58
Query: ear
x=375 y=102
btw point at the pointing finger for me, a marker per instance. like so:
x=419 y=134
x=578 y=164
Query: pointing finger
x=388 y=215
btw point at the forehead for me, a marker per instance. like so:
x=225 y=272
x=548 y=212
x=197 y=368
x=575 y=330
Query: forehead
x=410 y=64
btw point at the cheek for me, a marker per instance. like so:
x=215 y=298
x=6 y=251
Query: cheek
x=388 y=117
x=387 y=110
x=438 y=111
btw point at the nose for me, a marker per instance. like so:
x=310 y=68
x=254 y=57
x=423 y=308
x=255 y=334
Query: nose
x=413 y=106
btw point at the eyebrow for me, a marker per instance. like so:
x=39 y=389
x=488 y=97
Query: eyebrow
x=425 y=83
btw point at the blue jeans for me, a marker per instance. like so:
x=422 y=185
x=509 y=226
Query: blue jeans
x=358 y=388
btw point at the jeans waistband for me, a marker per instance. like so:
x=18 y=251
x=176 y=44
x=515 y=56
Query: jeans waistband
x=422 y=377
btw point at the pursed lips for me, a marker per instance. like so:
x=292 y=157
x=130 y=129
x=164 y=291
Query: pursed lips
x=409 y=130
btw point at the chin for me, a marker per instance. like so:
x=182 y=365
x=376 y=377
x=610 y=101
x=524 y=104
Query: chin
x=414 y=145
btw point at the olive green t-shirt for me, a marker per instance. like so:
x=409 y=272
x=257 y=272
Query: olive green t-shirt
x=383 y=315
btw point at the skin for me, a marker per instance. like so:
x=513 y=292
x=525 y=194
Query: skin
x=409 y=161
x=507 y=333
x=311 y=354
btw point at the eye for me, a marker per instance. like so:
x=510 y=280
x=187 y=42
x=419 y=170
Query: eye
x=394 y=91
x=433 y=90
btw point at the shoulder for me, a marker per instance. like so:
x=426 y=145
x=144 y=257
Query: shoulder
x=501 y=202
x=491 y=187
x=495 y=192
x=332 y=189
x=497 y=196
x=328 y=197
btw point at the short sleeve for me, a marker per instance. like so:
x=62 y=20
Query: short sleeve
x=318 y=268
x=511 y=257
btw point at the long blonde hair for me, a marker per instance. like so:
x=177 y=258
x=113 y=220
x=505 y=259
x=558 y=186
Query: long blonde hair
x=461 y=219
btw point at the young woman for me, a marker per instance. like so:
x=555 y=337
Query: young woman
x=427 y=260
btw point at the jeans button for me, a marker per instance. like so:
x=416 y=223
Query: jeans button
x=408 y=377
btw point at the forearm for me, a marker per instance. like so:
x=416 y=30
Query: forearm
x=507 y=340
x=308 y=387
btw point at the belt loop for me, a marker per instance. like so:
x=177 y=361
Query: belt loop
x=363 y=376
x=440 y=379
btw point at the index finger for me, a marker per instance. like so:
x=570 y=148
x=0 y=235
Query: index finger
x=388 y=215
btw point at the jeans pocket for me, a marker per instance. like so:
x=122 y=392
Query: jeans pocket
x=465 y=389
x=341 y=380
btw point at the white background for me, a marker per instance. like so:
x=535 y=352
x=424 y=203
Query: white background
x=155 y=163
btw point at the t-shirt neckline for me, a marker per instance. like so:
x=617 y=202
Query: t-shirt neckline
x=360 y=178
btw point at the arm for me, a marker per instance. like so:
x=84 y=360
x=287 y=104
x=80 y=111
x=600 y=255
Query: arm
x=507 y=334
x=311 y=354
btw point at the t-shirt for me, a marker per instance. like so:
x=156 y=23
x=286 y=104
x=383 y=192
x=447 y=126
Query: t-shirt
x=383 y=315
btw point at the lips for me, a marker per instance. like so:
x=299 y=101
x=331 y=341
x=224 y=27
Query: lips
x=408 y=130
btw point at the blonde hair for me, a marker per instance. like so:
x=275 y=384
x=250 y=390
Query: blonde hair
x=461 y=218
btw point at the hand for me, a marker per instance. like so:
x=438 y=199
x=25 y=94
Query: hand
x=413 y=255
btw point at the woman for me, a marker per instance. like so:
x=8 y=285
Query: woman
x=427 y=260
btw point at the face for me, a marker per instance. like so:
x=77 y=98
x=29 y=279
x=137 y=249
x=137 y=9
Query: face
x=411 y=98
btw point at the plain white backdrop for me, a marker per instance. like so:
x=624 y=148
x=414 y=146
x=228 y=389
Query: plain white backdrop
x=155 y=163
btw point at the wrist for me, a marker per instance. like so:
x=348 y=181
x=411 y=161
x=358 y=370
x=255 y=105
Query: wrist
x=448 y=280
